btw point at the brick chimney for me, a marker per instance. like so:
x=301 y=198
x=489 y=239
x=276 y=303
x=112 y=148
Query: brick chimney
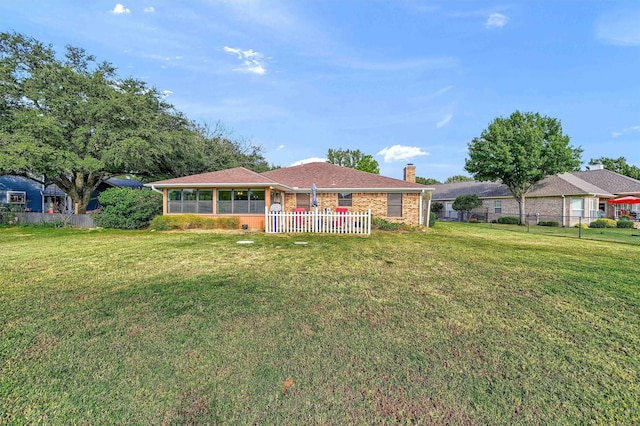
x=410 y=173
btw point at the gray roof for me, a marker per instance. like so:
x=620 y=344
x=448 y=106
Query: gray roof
x=601 y=183
x=612 y=182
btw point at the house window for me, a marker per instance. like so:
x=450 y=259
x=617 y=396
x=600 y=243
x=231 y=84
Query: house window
x=241 y=201
x=394 y=205
x=345 y=199
x=16 y=197
x=303 y=201
x=191 y=201
x=577 y=207
x=497 y=207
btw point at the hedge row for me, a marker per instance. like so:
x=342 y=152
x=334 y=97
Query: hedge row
x=192 y=221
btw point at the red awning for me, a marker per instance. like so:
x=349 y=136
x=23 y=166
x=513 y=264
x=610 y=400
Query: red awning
x=626 y=200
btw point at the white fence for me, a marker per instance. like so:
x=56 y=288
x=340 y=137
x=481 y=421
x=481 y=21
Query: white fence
x=319 y=222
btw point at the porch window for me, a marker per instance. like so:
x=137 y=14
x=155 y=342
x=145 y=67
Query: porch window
x=577 y=207
x=345 y=199
x=16 y=197
x=191 y=201
x=497 y=207
x=303 y=201
x=593 y=207
x=241 y=201
x=394 y=205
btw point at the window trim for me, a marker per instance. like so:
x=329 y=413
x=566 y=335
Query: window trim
x=197 y=203
x=497 y=207
x=23 y=197
x=345 y=199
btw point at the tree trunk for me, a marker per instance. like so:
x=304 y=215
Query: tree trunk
x=522 y=209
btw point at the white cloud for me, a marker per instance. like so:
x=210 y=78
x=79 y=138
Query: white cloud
x=120 y=9
x=445 y=120
x=166 y=93
x=621 y=28
x=632 y=129
x=149 y=9
x=280 y=147
x=400 y=152
x=309 y=160
x=253 y=61
x=496 y=20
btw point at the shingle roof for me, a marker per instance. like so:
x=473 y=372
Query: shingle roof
x=238 y=175
x=328 y=176
x=610 y=181
x=558 y=185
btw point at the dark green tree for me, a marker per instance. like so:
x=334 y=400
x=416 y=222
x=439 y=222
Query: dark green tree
x=618 y=165
x=354 y=159
x=427 y=181
x=520 y=151
x=73 y=122
x=466 y=203
x=458 y=178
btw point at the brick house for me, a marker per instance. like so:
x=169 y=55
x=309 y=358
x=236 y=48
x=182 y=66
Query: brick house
x=568 y=198
x=246 y=194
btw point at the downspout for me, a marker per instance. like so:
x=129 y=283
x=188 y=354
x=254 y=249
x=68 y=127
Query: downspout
x=420 y=216
x=563 y=211
x=153 y=188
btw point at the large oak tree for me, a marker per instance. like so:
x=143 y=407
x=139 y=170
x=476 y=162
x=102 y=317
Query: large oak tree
x=520 y=151
x=74 y=122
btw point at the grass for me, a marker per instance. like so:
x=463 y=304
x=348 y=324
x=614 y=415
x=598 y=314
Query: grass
x=457 y=325
x=626 y=236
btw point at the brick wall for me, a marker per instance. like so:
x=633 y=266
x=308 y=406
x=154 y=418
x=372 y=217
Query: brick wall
x=361 y=202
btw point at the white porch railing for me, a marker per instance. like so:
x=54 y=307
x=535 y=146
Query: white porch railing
x=319 y=222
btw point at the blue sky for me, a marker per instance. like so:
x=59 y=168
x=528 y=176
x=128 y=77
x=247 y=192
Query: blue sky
x=405 y=80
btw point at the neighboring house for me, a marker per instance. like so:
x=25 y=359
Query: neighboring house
x=28 y=195
x=246 y=194
x=568 y=198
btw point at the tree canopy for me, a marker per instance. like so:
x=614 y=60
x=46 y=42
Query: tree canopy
x=520 y=151
x=354 y=159
x=427 y=181
x=458 y=178
x=618 y=165
x=74 y=122
x=466 y=203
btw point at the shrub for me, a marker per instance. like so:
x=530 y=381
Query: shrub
x=437 y=207
x=509 y=220
x=553 y=223
x=384 y=225
x=603 y=223
x=126 y=208
x=193 y=221
x=432 y=219
x=581 y=225
x=624 y=224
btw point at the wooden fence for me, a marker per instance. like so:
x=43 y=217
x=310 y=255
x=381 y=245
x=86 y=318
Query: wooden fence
x=318 y=222
x=75 y=220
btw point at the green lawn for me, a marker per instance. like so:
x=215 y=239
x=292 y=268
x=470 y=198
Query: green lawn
x=456 y=325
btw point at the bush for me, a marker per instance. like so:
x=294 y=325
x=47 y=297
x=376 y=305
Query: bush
x=603 y=223
x=193 y=221
x=581 y=225
x=509 y=220
x=126 y=208
x=437 y=207
x=384 y=225
x=553 y=223
x=624 y=224
x=432 y=219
